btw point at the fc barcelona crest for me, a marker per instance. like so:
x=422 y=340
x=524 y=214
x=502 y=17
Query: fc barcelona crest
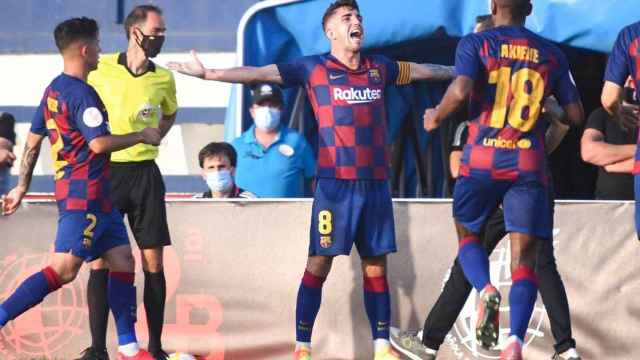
x=326 y=242
x=374 y=76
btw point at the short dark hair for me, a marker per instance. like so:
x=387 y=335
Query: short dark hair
x=517 y=8
x=218 y=149
x=335 y=6
x=75 y=29
x=138 y=15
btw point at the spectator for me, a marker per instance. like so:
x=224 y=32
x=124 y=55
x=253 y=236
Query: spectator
x=218 y=163
x=273 y=160
x=610 y=144
x=7 y=140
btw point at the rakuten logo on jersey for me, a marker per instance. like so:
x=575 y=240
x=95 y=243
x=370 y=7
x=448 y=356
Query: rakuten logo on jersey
x=357 y=96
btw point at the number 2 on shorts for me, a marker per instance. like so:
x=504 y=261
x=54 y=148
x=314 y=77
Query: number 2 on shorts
x=88 y=231
x=325 y=224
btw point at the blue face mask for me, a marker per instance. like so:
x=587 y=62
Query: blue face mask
x=219 y=181
x=267 y=118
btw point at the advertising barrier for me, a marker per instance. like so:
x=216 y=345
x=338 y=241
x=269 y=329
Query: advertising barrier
x=235 y=267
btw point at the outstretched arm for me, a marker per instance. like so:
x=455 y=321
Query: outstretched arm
x=242 y=74
x=431 y=72
x=29 y=158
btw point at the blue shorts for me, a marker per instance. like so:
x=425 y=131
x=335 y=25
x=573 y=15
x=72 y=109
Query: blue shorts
x=528 y=205
x=352 y=211
x=88 y=235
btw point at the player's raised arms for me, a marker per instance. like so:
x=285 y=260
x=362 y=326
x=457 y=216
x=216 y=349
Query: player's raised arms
x=270 y=73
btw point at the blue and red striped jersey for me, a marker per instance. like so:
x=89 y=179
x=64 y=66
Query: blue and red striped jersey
x=514 y=71
x=71 y=114
x=350 y=109
x=624 y=61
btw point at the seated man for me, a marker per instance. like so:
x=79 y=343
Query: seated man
x=273 y=160
x=7 y=157
x=218 y=162
x=609 y=142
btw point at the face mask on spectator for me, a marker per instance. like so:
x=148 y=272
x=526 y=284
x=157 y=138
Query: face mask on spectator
x=267 y=118
x=219 y=181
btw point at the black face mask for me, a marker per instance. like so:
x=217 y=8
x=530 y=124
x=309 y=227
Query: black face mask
x=151 y=44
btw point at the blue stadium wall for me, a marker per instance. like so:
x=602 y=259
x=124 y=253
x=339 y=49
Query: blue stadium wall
x=207 y=25
x=28 y=60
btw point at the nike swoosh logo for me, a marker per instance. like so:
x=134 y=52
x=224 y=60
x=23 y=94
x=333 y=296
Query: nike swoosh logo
x=335 y=77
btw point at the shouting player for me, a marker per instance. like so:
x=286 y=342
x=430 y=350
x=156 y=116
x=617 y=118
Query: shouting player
x=506 y=73
x=352 y=203
x=72 y=115
x=623 y=62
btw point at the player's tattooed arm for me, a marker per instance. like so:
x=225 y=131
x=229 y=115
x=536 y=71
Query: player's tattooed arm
x=431 y=72
x=12 y=200
x=29 y=160
x=242 y=74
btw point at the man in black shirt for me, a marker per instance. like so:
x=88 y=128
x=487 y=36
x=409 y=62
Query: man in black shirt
x=7 y=157
x=610 y=144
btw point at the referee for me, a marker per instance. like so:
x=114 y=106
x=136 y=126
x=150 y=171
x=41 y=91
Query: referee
x=137 y=94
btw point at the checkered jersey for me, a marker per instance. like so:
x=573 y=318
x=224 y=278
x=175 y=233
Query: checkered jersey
x=514 y=71
x=350 y=109
x=71 y=114
x=624 y=61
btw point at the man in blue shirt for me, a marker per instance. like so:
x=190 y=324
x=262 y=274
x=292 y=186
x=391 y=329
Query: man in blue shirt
x=273 y=160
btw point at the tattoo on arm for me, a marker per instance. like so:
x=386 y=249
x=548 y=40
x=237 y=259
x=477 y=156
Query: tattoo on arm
x=440 y=72
x=28 y=163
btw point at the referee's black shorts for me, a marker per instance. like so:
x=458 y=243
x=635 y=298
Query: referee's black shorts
x=137 y=190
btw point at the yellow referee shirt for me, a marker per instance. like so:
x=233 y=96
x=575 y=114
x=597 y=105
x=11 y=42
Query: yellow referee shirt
x=134 y=102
